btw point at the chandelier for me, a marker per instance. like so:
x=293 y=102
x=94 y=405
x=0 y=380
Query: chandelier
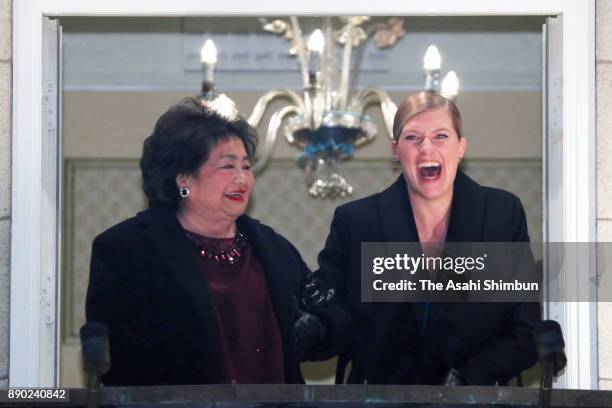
x=327 y=120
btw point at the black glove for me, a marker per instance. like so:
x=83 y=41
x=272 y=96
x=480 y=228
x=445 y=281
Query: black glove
x=309 y=336
x=453 y=378
x=315 y=293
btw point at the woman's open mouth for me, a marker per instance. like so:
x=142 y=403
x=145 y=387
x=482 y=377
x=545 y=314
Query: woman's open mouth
x=430 y=170
x=235 y=195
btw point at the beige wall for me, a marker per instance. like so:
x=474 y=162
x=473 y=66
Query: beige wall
x=6 y=64
x=604 y=175
x=498 y=125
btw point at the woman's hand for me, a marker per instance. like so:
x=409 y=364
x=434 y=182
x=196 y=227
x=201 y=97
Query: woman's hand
x=312 y=331
x=315 y=293
x=309 y=336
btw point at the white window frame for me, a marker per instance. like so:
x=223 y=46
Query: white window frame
x=32 y=334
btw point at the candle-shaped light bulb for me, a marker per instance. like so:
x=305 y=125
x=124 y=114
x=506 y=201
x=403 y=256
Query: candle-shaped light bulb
x=432 y=59
x=450 y=85
x=316 y=42
x=208 y=55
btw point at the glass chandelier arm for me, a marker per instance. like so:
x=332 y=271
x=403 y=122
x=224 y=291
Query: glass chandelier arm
x=265 y=99
x=374 y=95
x=273 y=126
x=346 y=68
x=351 y=35
x=328 y=65
x=301 y=50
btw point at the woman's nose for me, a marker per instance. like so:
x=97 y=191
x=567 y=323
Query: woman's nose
x=425 y=144
x=241 y=175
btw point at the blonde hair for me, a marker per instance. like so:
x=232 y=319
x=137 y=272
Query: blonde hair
x=423 y=101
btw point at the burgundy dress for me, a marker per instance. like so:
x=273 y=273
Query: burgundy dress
x=250 y=338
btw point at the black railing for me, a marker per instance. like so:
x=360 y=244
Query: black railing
x=333 y=396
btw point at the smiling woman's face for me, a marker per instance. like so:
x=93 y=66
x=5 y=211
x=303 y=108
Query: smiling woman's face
x=429 y=151
x=222 y=186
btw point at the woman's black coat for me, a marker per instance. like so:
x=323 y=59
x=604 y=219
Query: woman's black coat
x=487 y=343
x=146 y=285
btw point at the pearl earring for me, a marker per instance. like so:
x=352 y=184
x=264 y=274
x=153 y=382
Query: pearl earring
x=184 y=192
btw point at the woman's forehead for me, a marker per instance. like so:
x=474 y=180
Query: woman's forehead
x=432 y=119
x=231 y=148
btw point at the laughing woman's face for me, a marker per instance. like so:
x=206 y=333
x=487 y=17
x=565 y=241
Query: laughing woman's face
x=429 y=151
x=222 y=186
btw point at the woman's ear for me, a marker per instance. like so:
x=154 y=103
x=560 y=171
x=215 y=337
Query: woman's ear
x=182 y=180
x=394 y=150
x=462 y=146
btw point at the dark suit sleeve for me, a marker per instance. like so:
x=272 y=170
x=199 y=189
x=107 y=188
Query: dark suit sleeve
x=333 y=267
x=514 y=349
x=334 y=258
x=519 y=221
x=113 y=299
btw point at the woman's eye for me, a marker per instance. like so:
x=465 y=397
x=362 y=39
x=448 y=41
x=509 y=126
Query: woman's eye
x=227 y=166
x=246 y=167
x=411 y=138
x=441 y=136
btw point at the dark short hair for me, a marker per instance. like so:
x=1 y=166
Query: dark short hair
x=181 y=142
x=421 y=102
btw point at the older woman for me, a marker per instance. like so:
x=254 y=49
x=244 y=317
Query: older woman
x=192 y=290
x=433 y=201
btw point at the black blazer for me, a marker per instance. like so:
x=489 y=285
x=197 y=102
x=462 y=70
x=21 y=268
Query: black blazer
x=487 y=344
x=146 y=286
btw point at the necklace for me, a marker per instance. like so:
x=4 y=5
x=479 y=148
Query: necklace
x=229 y=255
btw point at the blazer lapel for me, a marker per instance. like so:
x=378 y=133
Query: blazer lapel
x=164 y=231
x=396 y=215
x=467 y=209
x=398 y=225
x=279 y=285
x=464 y=225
